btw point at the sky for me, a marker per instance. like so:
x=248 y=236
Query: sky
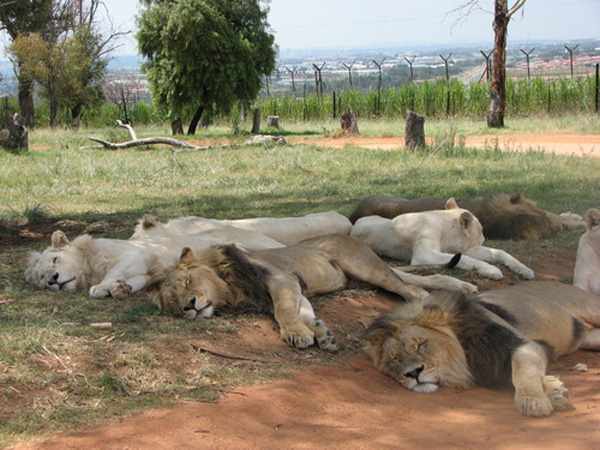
x=305 y=24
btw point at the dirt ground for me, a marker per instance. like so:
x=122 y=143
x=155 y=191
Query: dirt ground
x=347 y=404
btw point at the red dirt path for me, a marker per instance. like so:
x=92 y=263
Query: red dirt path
x=350 y=405
x=566 y=144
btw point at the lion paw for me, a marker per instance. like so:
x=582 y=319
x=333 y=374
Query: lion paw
x=491 y=272
x=298 y=338
x=556 y=392
x=120 y=290
x=467 y=288
x=98 y=291
x=325 y=338
x=531 y=406
x=527 y=273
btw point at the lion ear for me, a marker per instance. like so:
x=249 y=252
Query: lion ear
x=377 y=334
x=59 y=239
x=516 y=198
x=188 y=256
x=592 y=218
x=433 y=315
x=451 y=204
x=466 y=220
x=147 y=222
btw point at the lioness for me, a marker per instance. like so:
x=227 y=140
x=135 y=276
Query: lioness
x=279 y=281
x=286 y=230
x=503 y=215
x=587 y=264
x=491 y=339
x=432 y=237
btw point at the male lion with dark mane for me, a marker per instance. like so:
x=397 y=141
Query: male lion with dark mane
x=278 y=281
x=499 y=336
x=503 y=215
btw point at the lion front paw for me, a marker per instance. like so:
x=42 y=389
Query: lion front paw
x=534 y=406
x=98 y=291
x=325 y=337
x=299 y=337
x=120 y=290
x=556 y=392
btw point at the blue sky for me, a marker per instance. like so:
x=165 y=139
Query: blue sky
x=359 y=23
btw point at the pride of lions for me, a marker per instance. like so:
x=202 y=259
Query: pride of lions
x=443 y=331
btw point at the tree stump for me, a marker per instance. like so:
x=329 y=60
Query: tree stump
x=15 y=136
x=177 y=127
x=349 y=125
x=415 y=132
x=256 y=122
x=273 y=121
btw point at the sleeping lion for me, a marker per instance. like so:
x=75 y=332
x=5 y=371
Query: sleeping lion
x=587 y=264
x=503 y=215
x=492 y=339
x=278 y=281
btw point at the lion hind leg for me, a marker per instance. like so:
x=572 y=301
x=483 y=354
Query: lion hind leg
x=436 y=282
x=556 y=392
x=591 y=340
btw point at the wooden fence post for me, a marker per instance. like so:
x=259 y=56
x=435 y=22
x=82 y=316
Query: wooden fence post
x=597 y=86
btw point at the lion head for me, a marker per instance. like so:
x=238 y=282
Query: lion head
x=191 y=289
x=415 y=345
x=60 y=266
x=470 y=232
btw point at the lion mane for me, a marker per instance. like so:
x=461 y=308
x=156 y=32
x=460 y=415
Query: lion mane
x=465 y=345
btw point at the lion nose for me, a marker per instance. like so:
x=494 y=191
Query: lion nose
x=53 y=280
x=191 y=304
x=414 y=373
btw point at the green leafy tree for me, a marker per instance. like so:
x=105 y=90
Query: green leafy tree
x=204 y=54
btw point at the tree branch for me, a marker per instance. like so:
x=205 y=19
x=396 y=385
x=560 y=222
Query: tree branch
x=517 y=6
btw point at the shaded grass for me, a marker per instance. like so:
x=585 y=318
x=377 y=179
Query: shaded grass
x=57 y=372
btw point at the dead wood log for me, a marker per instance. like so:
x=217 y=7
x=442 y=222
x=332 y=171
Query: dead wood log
x=128 y=127
x=177 y=127
x=15 y=136
x=151 y=141
x=349 y=124
x=415 y=132
x=273 y=121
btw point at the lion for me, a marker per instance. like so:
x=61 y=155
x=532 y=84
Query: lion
x=278 y=281
x=491 y=339
x=285 y=230
x=432 y=237
x=118 y=268
x=587 y=263
x=503 y=215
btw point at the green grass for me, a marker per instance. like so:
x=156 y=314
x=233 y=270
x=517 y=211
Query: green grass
x=57 y=372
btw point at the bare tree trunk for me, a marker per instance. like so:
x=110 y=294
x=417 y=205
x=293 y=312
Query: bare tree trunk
x=76 y=115
x=495 y=117
x=26 y=105
x=177 y=126
x=349 y=123
x=256 y=122
x=195 y=120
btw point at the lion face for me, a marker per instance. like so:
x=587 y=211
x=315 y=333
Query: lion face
x=417 y=348
x=191 y=289
x=58 y=267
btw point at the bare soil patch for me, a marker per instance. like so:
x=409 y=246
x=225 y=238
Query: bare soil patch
x=564 y=144
x=341 y=401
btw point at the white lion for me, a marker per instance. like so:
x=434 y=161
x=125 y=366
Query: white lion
x=587 y=264
x=117 y=268
x=433 y=237
x=284 y=230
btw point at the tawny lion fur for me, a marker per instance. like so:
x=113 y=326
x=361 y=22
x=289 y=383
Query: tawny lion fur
x=280 y=280
x=503 y=215
x=493 y=339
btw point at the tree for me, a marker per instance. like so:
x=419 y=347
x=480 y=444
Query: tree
x=20 y=18
x=502 y=16
x=204 y=54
